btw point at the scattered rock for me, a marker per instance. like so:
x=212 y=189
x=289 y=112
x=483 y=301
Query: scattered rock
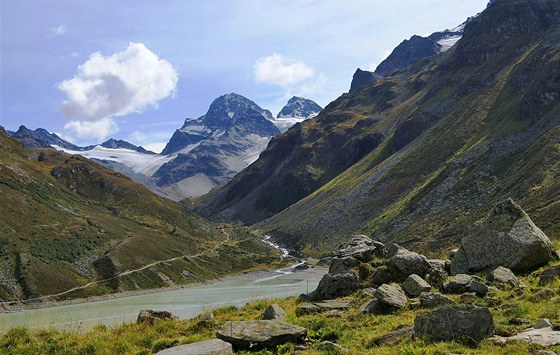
x=342 y=265
x=466 y=324
x=302 y=266
x=303 y=297
x=468 y=297
x=208 y=347
x=542 y=294
x=149 y=316
x=479 y=288
x=324 y=306
x=440 y=264
x=505 y=237
x=408 y=262
x=326 y=261
x=437 y=278
x=414 y=285
x=391 y=295
x=503 y=277
x=374 y=307
x=274 y=311
x=432 y=300
x=542 y=334
x=452 y=253
x=362 y=248
x=333 y=286
x=460 y=283
x=549 y=275
x=370 y=291
x=259 y=334
x=394 y=337
x=384 y=275
x=330 y=347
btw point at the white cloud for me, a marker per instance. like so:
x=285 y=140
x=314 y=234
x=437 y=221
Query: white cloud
x=115 y=85
x=154 y=141
x=59 y=30
x=155 y=147
x=99 y=129
x=277 y=70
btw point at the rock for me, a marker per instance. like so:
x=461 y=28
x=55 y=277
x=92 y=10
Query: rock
x=385 y=275
x=333 y=286
x=149 y=316
x=466 y=324
x=460 y=283
x=542 y=334
x=437 y=278
x=302 y=266
x=324 y=306
x=479 y=288
x=432 y=300
x=391 y=295
x=440 y=264
x=374 y=307
x=414 y=285
x=342 y=265
x=452 y=253
x=361 y=248
x=326 y=261
x=542 y=294
x=370 y=291
x=303 y=297
x=503 y=277
x=274 y=311
x=468 y=297
x=208 y=347
x=330 y=347
x=505 y=237
x=394 y=337
x=408 y=263
x=259 y=334
x=549 y=275
x=518 y=321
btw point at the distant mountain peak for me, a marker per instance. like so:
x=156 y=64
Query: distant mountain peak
x=300 y=107
x=119 y=143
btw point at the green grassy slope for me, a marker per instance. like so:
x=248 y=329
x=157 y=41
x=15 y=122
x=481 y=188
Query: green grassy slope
x=66 y=221
x=435 y=145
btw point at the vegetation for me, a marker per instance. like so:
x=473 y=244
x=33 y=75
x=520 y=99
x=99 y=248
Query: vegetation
x=359 y=333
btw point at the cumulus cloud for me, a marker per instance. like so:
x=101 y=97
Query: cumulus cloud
x=105 y=87
x=59 y=30
x=99 y=129
x=277 y=70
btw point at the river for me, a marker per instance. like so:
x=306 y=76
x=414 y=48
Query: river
x=185 y=302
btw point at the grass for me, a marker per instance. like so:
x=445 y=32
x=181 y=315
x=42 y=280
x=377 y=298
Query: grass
x=356 y=332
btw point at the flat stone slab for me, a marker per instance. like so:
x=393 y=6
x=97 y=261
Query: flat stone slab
x=323 y=306
x=542 y=334
x=260 y=334
x=208 y=347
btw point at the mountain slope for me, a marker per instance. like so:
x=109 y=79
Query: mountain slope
x=68 y=222
x=418 y=156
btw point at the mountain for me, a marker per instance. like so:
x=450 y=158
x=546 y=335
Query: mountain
x=68 y=222
x=296 y=110
x=419 y=156
x=211 y=149
x=409 y=52
x=116 y=144
x=40 y=138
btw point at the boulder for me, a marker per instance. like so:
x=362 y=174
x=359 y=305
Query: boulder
x=326 y=261
x=542 y=294
x=437 y=278
x=460 y=283
x=274 y=311
x=374 y=307
x=392 y=296
x=260 y=334
x=465 y=324
x=503 y=277
x=149 y=316
x=333 y=286
x=408 y=262
x=542 y=334
x=440 y=264
x=324 y=306
x=342 y=265
x=433 y=300
x=549 y=275
x=385 y=275
x=414 y=285
x=362 y=248
x=479 y=288
x=330 y=348
x=394 y=337
x=208 y=347
x=505 y=237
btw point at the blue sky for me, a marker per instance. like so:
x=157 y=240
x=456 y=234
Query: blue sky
x=134 y=70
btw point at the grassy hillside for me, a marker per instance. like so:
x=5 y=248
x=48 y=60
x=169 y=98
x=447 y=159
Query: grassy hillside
x=68 y=222
x=420 y=155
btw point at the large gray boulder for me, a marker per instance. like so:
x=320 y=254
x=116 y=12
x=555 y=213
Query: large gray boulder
x=150 y=316
x=503 y=277
x=274 y=311
x=433 y=300
x=392 y=296
x=259 y=334
x=460 y=283
x=342 y=265
x=333 y=286
x=414 y=285
x=465 y=324
x=362 y=248
x=505 y=237
x=408 y=262
x=208 y=347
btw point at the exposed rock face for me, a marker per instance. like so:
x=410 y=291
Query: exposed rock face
x=505 y=237
x=503 y=277
x=407 y=53
x=259 y=334
x=408 y=262
x=392 y=296
x=274 y=311
x=208 y=347
x=363 y=78
x=149 y=316
x=332 y=286
x=542 y=334
x=466 y=324
x=433 y=300
x=414 y=285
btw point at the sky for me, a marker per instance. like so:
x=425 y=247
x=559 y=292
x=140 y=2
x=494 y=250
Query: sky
x=136 y=69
